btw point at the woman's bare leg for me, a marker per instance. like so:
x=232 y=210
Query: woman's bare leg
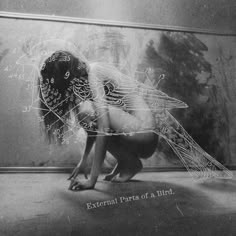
x=128 y=163
x=138 y=139
x=137 y=130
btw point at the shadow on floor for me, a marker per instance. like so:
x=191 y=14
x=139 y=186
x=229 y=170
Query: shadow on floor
x=42 y=206
x=223 y=185
x=185 y=212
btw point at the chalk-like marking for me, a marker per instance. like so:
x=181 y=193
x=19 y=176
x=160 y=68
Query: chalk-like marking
x=179 y=210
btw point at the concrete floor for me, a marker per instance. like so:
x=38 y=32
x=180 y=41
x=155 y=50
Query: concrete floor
x=40 y=204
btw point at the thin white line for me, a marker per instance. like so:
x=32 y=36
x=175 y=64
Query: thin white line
x=179 y=210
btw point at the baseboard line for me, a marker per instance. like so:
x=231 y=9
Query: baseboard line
x=8 y=170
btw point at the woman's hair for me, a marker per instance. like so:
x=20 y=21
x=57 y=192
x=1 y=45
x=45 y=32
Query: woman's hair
x=59 y=73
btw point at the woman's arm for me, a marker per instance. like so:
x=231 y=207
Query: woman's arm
x=82 y=165
x=97 y=88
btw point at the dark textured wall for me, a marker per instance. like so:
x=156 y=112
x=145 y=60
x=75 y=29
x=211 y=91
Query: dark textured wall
x=218 y=15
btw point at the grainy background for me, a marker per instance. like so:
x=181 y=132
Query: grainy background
x=217 y=15
x=21 y=142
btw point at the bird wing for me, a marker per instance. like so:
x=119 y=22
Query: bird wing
x=198 y=162
x=119 y=87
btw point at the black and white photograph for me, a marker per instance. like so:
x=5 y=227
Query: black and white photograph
x=117 y=117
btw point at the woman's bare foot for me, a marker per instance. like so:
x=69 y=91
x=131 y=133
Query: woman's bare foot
x=114 y=172
x=129 y=171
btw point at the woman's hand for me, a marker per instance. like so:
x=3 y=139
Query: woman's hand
x=77 y=185
x=81 y=169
